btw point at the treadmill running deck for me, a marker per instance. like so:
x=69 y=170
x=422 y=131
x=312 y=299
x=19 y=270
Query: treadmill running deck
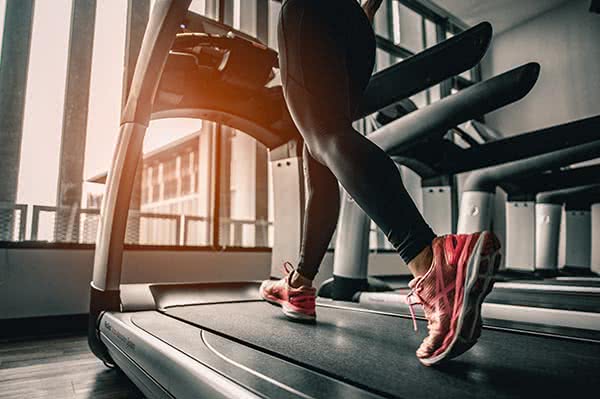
x=376 y=352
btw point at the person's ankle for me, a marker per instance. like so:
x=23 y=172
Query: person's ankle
x=297 y=280
x=422 y=262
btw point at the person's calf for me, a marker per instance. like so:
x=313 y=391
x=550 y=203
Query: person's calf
x=421 y=263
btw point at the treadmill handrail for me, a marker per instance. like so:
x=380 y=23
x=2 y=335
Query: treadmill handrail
x=162 y=27
x=529 y=144
x=427 y=68
x=553 y=180
x=486 y=179
x=434 y=120
x=505 y=150
x=583 y=194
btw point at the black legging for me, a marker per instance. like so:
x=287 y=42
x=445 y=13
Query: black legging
x=327 y=53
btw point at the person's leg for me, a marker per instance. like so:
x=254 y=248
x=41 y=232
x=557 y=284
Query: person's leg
x=320 y=218
x=295 y=293
x=327 y=54
x=327 y=51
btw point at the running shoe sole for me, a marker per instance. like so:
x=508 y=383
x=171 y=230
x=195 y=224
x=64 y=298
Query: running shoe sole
x=488 y=267
x=485 y=252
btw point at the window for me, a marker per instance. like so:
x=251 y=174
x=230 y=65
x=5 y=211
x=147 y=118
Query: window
x=173 y=201
x=408 y=27
x=244 y=206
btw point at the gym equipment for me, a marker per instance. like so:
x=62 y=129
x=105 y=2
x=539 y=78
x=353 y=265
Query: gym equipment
x=522 y=193
x=416 y=147
x=219 y=340
x=539 y=304
x=436 y=159
x=548 y=214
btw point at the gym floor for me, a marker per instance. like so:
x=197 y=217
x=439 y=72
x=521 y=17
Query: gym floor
x=60 y=367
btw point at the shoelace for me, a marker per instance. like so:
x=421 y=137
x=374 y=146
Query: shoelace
x=441 y=292
x=410 y=304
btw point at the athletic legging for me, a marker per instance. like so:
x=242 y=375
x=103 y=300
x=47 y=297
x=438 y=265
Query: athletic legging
x=327 y=53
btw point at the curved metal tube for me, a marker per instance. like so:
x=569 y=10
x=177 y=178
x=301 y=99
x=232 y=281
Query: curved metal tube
x=487 y=179
x=160 y=34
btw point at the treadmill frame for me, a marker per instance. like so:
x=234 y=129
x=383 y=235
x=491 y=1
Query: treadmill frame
x=466 y=49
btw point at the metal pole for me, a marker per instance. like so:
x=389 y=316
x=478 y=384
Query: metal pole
x=221 y=151
x=75 y=116
x=261 y=207
x=14 y=62
x=138 y=12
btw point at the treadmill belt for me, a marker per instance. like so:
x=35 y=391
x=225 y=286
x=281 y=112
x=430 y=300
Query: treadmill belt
x=376 y=352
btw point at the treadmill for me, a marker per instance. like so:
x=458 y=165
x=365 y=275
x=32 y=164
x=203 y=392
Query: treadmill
x=540 y=285
x=219 y=340
x=436 y=160
x=545 y=195
x=534 y=305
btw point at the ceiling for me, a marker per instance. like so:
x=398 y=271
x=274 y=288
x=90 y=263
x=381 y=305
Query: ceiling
x=502 y=14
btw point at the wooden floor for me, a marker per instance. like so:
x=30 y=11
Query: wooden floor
x=58 y=368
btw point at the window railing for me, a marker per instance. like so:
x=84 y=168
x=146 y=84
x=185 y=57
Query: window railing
x=13 y=222
x=80 y=226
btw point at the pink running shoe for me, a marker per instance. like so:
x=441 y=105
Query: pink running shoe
x=297 y=303
x=452 y=291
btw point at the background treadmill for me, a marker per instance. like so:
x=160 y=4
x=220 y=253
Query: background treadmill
x=572 y=310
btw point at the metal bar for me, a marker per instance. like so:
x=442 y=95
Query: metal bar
x=223 y=15
x=178 y=230
x=22 y=220
x=184 y=232
x=35 y=222
x=75 y=117
x=89 y=211
x=138 y=12
x=164 y=216
x=459 y=83
x=424 y=42
x=435 y=13
x=422 y=71
x=446 y=85
x=392 y=48
x=528 y=186
x=486 y=179
x=262 y=20
x=450 y=111
x=197 y=218
x=237 y=234
x=13 y=84
x=158 y=38
x=216 y=191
